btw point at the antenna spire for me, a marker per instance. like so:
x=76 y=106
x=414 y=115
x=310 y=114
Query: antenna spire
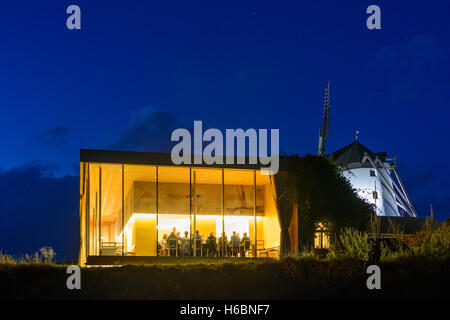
x=356 y=135
x=324 y=131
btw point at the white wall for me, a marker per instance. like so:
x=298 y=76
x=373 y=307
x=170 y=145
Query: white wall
x=365 y=185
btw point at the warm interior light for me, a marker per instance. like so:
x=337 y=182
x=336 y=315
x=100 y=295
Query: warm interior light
x=182 y=223
x=166 y=223
x=131 y=221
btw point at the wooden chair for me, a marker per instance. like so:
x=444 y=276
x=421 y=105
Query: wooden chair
x=259 y=247
x=173 y=247
x=235 y=246
x=211 y=251
x=198 y=247
x=223 y=252
x=108 y=249
x=245 y=248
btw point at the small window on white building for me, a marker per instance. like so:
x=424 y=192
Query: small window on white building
x=375 y=194
x=372 y=173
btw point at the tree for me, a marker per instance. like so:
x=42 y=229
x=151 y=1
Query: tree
x=323 y=194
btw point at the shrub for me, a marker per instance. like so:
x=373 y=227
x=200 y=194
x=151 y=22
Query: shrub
x=308 y=251
x=47 y=254
x=6 y=258
x=350 y=243
x=432 y=242
x=394 y=248
x=427 y=243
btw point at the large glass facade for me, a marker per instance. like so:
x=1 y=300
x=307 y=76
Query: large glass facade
x=145 y=210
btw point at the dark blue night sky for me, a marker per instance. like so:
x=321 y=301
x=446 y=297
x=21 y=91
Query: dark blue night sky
x=137 y=70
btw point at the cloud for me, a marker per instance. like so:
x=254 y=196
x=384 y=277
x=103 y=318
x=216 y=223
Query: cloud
x=408 y=65
x=149 y=130
x=38 y=209
x=56 y=136
x=415 y=55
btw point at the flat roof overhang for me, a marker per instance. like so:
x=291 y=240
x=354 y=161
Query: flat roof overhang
x=161 y=159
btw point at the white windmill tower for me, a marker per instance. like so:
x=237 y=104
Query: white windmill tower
x=372 y=175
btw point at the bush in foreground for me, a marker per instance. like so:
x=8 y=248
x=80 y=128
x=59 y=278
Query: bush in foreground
x=426 y=244
x=44 y=255
x=290 y=278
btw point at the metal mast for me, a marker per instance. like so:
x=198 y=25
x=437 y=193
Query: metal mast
x=324 y=131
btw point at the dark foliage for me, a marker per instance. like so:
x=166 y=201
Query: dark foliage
x=290 y=278
x=324 y=195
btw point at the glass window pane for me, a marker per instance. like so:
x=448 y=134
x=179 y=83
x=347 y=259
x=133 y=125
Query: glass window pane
x=84 y=214
x=174 y=207
x=268 y=228
x=140 y=210
x=94 y=214
x=111 y=209
x=207 y=201
x=239 y=210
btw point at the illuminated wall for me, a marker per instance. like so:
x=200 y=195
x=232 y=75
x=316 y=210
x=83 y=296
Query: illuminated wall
x=370 y=187
x=271 y=230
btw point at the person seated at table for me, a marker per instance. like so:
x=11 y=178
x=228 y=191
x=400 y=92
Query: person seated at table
x=223 y=246
x=198 y=239
x=163 y=244
x=245 y=244
x=172 y=236
x=235 y=242
x=185 y=246
x=211 y=245
x=172 y=242
x=198 y=235
x=204 y=247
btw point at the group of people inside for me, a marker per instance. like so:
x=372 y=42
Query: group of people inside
x=175 y=245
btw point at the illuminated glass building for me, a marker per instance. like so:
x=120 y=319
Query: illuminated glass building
x=131 y=202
